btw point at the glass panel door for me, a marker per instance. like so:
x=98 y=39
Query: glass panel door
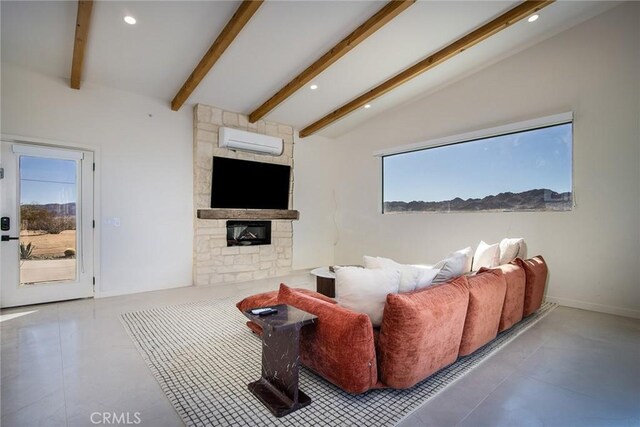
x=48 y=220
x=46 y=205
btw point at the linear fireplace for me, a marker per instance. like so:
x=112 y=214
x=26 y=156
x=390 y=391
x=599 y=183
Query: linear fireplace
x=248 y=233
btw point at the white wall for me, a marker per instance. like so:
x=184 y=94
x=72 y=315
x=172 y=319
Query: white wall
x=593 y=252
x=144 y=166
x=145 y=171
x=313 y=195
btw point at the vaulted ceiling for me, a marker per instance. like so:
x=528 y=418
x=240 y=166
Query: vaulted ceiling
x=155 y=56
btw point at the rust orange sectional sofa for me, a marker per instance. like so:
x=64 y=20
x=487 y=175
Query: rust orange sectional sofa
x=421 y=332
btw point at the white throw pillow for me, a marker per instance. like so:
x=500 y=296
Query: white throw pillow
x=365 y=290
x=510 y=249
x=424 y=275
x=486 y=256
x=412 y=277
x=371 y=262
x=468 y=253
x=450 y=268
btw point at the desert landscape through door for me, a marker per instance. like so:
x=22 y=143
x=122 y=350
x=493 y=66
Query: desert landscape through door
x=47 y=234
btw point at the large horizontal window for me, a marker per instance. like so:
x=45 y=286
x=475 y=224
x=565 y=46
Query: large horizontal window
x=527 y=170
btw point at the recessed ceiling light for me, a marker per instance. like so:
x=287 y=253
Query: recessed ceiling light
x=367 y=106
x=533 y=18
x=129 y=20
x=313 y=87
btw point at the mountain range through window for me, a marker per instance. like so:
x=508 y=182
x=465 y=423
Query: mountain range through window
x=521 y=171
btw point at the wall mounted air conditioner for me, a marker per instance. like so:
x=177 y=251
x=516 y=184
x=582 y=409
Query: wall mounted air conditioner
x=235 y=139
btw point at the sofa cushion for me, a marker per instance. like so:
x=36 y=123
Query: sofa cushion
x=339 y=346
x=536 y=271
x=486 y=298
x=421 y=332
x=365 y=290
x=514 y=297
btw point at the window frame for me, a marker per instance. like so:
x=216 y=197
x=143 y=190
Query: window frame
x=485 y=133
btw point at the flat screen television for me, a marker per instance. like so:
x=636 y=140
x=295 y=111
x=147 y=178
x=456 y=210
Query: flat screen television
x=243 y=184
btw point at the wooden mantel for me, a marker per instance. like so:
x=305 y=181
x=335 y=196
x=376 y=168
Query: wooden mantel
x=248 y=214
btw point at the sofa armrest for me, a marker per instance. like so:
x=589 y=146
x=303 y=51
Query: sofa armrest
x=258 y=300
x=266 y=299
x=339 y=346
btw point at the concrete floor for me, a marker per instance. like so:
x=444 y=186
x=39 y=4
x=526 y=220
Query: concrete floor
x=573 y=368
x=67 y=364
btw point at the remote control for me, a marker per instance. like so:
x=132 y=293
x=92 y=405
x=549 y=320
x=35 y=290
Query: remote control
x=263 y=311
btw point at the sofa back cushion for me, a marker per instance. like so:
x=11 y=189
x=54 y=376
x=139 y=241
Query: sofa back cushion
x=486 y=298
x=339 y=346
x=421 y=332
x=514 y=298
x=536 y=271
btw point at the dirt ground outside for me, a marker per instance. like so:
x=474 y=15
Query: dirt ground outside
x=49 y=246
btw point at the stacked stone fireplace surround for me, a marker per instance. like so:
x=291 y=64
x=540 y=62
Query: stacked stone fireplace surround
x=214 y=262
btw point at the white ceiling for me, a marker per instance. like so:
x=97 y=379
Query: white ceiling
x=156 y=55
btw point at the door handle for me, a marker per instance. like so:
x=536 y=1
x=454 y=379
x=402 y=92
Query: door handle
x=6 y=238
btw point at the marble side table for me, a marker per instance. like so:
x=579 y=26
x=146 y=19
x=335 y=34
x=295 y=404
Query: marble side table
x=278 y=389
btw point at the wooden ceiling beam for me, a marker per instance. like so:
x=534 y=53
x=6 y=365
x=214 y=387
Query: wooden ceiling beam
x=237 y=22
x=373 y=24
x=83 y=21
x=496 y=25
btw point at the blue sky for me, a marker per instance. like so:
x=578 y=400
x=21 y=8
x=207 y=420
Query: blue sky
x=45 y=180
x=540 y=158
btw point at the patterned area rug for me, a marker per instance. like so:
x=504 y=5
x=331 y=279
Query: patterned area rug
x=203 y=356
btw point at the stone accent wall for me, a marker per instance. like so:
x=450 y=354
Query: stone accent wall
x=214 y=262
